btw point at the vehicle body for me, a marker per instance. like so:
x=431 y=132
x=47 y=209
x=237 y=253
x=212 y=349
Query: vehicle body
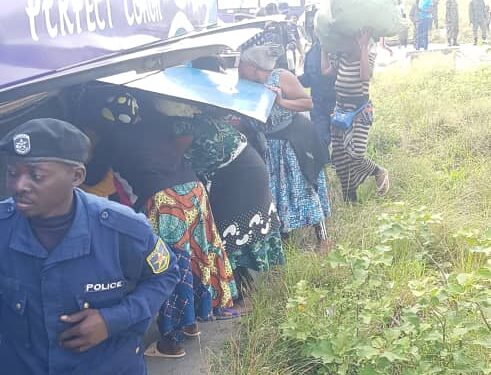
x=46 y=59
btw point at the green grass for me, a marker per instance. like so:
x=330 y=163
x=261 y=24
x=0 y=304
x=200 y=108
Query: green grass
x=432 y=131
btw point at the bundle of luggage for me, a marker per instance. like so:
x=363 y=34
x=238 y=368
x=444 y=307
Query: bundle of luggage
x=337 y=19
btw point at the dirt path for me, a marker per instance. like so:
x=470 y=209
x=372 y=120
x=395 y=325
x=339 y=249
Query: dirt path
x=214 y=335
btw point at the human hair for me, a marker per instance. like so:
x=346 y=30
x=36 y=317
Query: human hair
x=263 y=57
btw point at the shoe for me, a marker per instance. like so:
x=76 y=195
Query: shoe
x=170 y=349
x=225 y=313
x=243 y=306
x=165 y=348
x=191 y=331
x=382 y=181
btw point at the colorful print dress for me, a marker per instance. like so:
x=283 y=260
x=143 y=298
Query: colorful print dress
x=182 y=217
x=178 y=208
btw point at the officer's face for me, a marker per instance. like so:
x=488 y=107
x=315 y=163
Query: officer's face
x=43 y=188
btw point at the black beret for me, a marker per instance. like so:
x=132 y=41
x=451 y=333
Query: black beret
x=47 y=138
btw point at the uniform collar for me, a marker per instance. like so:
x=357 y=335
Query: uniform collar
x=75 y=244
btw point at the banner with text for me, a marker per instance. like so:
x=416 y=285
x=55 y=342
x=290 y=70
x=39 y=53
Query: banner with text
x=41 y=36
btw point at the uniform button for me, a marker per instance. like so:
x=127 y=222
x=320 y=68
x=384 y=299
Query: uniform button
x=86 y=305
x=137 y=350
x=104 y=215
x=10 y=209
x=18 y=306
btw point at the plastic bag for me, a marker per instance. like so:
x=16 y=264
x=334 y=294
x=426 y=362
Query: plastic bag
x=339 y=18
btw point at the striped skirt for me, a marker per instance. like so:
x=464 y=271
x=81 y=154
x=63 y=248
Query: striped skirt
x=349 y=149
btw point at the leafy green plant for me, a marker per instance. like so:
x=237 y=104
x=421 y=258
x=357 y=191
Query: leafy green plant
x=363 y=322
x=432 y=131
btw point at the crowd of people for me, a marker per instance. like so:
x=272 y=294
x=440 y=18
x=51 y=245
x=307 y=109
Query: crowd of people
x=424 y=17
x=126 y=205
x=221 y=193
x=134 y=205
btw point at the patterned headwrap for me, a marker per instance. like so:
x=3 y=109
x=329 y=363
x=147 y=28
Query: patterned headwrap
x=122 y=109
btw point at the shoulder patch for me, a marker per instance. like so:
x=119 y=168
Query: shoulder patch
x=159 y=258
x=7 y=209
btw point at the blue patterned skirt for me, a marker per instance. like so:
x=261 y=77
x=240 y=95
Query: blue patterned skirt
x=299 y=204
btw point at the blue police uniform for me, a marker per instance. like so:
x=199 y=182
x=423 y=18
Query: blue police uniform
x=109 y=260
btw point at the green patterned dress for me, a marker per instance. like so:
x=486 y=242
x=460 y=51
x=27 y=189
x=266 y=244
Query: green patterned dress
x=240 y=199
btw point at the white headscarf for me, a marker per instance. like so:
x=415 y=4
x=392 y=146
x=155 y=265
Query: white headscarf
x=264 y=57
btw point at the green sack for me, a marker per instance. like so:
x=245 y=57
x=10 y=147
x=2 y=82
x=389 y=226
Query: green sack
x=338 y=18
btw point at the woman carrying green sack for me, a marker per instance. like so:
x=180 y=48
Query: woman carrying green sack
x=354 y=63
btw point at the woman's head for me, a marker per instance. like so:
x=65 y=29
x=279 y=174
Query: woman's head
x=121 y=109
x=259 y=58
x=247 y=70
x=347 y=45
x=103 y=109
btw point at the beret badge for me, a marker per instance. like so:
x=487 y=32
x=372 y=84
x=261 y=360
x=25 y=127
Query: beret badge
x=22 y=144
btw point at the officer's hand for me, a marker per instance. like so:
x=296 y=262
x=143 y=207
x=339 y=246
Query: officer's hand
x=88 y=331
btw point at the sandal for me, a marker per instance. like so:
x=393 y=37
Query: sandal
x=172 y=350
x=226 y=313
x=382 y=181
x=191 y=331
x=243 y=306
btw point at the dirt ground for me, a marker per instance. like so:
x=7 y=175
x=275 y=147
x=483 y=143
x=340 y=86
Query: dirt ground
x=214 y=336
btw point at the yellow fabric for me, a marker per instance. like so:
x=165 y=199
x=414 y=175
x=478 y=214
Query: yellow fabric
x=104 y=188
x=159 y=258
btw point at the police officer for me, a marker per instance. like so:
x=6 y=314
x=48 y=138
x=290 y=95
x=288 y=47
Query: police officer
x=478 y=19
x=452 y=22
x=81 y=278
x=434 y=14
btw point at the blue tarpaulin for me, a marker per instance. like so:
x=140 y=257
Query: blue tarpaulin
x=223 y=90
